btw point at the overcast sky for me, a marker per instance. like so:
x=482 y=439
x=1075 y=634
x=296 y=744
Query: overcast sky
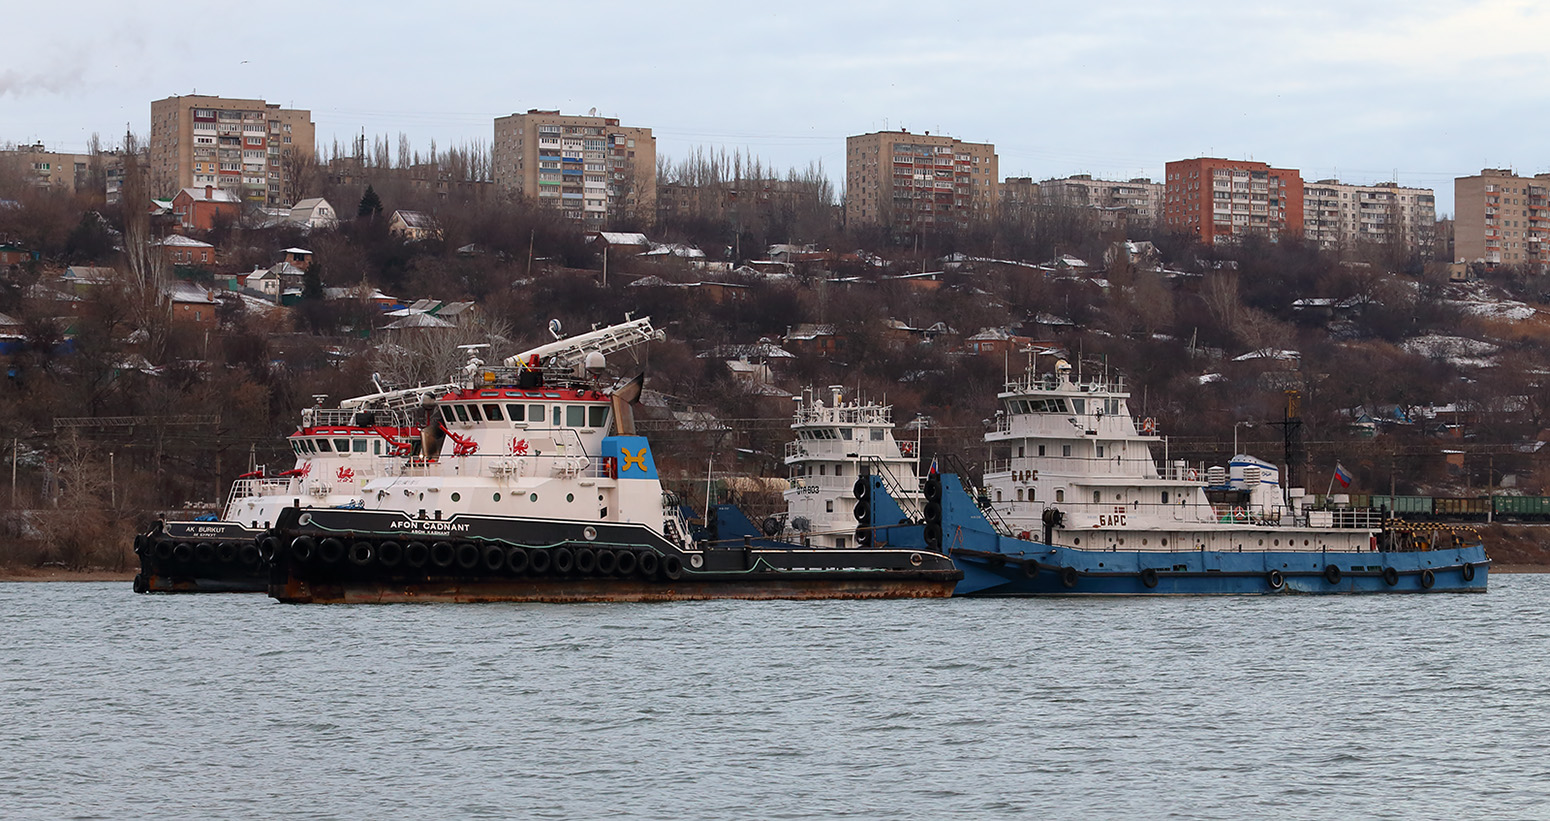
x=1418 y=91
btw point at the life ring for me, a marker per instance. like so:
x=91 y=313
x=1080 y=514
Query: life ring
x=1194 y=475
x=516 y=560
x=649 y=564
x=1239 y=515
x=625 y=562
x=494 y=558
x=1390 y=576
x=390 y=553
x=362 y=554
x=1331 y=574
x=1149 y=425
x=1428 y=578
x=1275 y=580
x=672 y=568
x=1068 y=576
x=303 y=548
x=468 y=555
x=1149 y=577
x=1468 y=571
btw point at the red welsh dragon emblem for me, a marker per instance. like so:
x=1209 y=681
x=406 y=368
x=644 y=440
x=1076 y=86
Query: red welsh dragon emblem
x=519 y=447
x=346 y=475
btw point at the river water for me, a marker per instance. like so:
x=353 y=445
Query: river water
x=233 y=706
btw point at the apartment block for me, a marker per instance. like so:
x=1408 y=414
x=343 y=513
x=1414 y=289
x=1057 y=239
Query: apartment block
x=239 y=146
x=591 y=168
x=1501 y=218
x=917 y=181
x=1337 y=214
x=1221 y=201
x=1118 y=202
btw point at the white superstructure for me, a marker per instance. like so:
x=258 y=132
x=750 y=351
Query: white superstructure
x=832 y=444
x=1070 y=461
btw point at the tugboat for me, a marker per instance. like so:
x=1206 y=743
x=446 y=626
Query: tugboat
x=534 y=486
x=337 y=450
x=1073 y=504
x=833 y=445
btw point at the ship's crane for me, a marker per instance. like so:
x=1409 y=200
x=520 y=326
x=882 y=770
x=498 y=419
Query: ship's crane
x=575 y=353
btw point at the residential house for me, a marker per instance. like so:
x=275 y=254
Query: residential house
x=314 y=212
x=414 y=225
x=200 y=208
x=15 y=255
x=298 y=257
x=193 y=304
x=813 y=338
x=996 y=342
x=177 y=249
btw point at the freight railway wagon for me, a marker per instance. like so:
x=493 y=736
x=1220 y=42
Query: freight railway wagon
x=1463 y=509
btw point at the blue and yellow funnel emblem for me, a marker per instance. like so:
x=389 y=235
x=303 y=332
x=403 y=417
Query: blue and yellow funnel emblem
x=631 y=457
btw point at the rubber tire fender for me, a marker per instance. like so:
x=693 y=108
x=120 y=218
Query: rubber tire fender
x=494 y=558
x=586 y=561
x=1332 y=574
x=303 y=548
x=248 y=555
x=1428 y=578
x=1275 y=580
x=1390 y=576
x=226 y=552
x=516 y=560
x=204 y=552
x=161 y=549
x=607 y=562
x=443 y=554
x=625 y=562
x=1149 y=577
x=649 y=564
x=1068 y=576
x=182 y=552
x=1468 y=572
x=539 y=561
x=564 y=560
x=390 y=553
x=361 y=553
x=416 y=554
x=332 y=551
x=672 y=568
x=468 y=555
x=1030 y=569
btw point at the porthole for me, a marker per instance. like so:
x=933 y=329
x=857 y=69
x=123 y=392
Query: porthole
x=497 y=497
x=1143 y=542
x=457 y=497
x=1304 y=542
x=590 y=532
x=1164 y=542
x=532 y=497
x=570 y=497
x=1278 y=543
x=1077 y=540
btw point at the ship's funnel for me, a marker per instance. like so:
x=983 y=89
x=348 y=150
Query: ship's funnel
x=623 y=399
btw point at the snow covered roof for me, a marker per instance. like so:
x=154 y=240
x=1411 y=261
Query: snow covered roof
x=416 y=219
x=623 y=238
x=297 y=250
x=180 y=241
x=1269 y=353
x=418 y=321
x=187 y=292
x=215 y=195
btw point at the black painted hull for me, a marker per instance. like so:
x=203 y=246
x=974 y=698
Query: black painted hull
x=340 y=556
x=200 y=557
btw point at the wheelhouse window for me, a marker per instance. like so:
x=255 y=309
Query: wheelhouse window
x=473 y=413
x=516 y=412
x=462 y=413
x=342 y=445
x=535 y=413
x=492 y=412
x=597 y=416
x=358 y=445
x=324 y=446
x=575 y=416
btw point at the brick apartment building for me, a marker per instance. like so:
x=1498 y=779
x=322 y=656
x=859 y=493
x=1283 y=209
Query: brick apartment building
x=1221 y=201
x=1501 y=218
x=590 y=168
x=918 y=181
x=236 y=145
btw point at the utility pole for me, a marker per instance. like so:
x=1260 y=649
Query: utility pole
x=15 y=445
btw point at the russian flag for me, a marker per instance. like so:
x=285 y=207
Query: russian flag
x=1342 y=475
x=933 y=470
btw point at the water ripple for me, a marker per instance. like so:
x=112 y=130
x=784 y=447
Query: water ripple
x=236 y=707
